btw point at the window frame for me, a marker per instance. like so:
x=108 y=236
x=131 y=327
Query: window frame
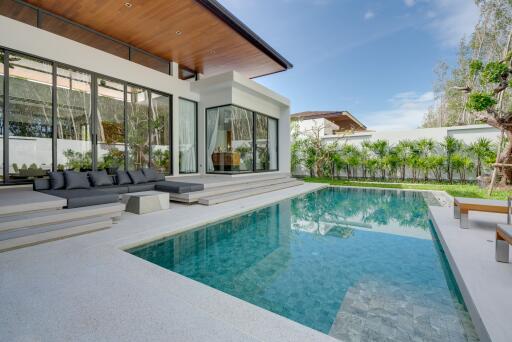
x=255 y=113
x=94 y=97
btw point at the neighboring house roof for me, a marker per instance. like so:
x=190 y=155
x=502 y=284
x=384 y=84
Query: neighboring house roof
x=343 y=119
x=200 y=35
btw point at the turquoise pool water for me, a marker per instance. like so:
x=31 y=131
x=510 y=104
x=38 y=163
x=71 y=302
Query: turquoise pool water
x=357 y=264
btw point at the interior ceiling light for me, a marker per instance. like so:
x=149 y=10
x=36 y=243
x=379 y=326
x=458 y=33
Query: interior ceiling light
x=128 y=4
x=178 y=33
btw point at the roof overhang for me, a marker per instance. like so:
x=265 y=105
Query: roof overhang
x=200 y=35
x=343 y=119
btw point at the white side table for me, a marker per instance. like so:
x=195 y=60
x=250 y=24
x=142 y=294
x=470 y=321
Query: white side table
x=145 y=202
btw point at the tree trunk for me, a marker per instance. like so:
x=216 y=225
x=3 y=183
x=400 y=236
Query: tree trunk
x=506 y=158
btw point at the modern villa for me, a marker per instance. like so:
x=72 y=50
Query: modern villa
x=146 y=195
x=107 y=87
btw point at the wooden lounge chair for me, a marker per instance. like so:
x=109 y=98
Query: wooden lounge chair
x=462 y=206
x=503 y=240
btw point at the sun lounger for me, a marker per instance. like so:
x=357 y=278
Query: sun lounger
x=503 y=240
x=462 y=206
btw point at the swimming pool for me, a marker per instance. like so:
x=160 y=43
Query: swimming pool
x=357 y=264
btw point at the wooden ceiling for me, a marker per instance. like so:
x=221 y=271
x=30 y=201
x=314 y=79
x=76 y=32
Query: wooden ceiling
x=344 y=120
x=200 y=35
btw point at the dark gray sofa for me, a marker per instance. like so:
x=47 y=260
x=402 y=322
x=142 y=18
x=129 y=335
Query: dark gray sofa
x=110 y=194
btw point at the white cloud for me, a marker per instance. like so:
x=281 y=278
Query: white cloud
x=369 y=15
x=409 y=3
x=452 y=20
x=406 y=112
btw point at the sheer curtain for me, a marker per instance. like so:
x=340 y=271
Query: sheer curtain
x=187 y=136
x=272 y=143
x=212 y=129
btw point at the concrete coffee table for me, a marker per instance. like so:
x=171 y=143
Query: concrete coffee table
x=145 y=202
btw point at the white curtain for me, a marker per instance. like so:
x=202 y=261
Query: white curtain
x=187 y=136
x=212 y=129
x=272 y=143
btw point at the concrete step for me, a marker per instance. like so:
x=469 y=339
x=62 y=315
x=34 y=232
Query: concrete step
x=25 y=237
x=192 y=197
x=45 y=218
x=231 y=196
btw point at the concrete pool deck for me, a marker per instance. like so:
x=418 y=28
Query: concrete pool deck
x=484 y=283
x=87 y=288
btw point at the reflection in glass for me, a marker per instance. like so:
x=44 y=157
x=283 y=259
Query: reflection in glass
x=110 y=125
x=229 y=139
x=187 y=136
x=261 y=143
x=30 y=120
x=73 y=120
x=160 y=122
x=138 y=127
x=272 y=144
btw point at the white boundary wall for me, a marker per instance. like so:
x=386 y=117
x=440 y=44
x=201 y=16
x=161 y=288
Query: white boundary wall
x=468 y=134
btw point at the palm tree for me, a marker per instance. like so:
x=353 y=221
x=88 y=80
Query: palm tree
x=450 y=145
x=380 y=148
x=481 y=149
x=402 y=149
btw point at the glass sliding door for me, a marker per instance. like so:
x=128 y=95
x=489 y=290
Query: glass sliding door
x=74 y=148
x=30 y=117
x=110 y=128
x=187 y=136
x=272 y=144
x=160 y=115
x=138 y=127
x=229 y=140
x=261 y=143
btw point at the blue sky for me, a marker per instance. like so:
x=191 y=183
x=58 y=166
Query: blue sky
x=372 y=58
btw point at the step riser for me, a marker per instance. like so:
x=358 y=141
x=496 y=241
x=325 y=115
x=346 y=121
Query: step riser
x=247 y=180
x=25 y=241
x=59 y=216
x=212 y=201
x=194 y=196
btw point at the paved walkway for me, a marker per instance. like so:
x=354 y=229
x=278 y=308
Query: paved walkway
x=486 y=285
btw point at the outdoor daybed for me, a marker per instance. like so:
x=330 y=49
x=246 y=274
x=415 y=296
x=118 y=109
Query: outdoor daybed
x=82 y=189
x=462 y=206
x=503 y=240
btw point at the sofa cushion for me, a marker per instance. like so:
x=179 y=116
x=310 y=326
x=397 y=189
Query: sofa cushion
x=113 y=189
x=100 y=178
x=178 y=187
x=41 y=184
x=123 y=178
x=141 y=187
x=57 y=180
x=150 y=174
x=137 y=177
x=76 y=180
x=83 y=197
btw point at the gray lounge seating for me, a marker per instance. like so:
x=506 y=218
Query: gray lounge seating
x=95 y=195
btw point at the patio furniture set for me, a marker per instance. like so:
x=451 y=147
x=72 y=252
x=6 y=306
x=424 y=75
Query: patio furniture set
x=142 y=190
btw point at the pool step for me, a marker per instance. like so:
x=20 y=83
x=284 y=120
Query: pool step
x=192 y=197
x=25 y=237
x=231 y=196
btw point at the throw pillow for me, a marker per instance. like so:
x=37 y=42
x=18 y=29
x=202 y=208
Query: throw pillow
x=100 y=178
x=76 y=180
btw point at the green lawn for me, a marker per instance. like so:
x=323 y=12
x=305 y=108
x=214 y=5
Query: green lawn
x=456 y=190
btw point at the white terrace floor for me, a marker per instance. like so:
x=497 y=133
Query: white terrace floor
x=86 y=288
x=486 y=285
